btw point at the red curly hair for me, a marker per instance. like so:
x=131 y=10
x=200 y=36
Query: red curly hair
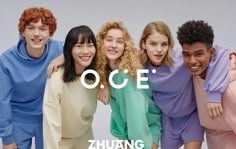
x=35 y=14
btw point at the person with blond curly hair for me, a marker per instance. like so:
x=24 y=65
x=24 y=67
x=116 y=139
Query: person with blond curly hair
x=23 y=75
x=134 y=114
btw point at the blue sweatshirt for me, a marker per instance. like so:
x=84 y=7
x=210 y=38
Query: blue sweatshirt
x=22 y=85
x=173 y=88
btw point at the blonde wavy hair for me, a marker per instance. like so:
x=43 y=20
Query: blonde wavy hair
x=129 y=59
x=161 y=28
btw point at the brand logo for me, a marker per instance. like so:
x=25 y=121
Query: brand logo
x=140 y=78
x=116 y=144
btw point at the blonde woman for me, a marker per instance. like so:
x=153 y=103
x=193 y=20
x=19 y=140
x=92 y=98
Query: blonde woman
x=134 y=114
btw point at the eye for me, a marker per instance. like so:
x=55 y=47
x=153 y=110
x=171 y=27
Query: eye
x=30 y=27
x=186 y=55
x=120 y=41
x=198 y=54
x=78 y=45
x=91 y=45
x=43 y=29
x=164 y=44
x=153 y=43
x=108 y=39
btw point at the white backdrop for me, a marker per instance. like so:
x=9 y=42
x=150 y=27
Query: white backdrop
x=135 y=15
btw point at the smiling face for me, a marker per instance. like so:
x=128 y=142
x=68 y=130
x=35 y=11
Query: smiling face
x=156 y=46
x=36 y=36
x=83 y=54
x=197 y=57
x=114 y=44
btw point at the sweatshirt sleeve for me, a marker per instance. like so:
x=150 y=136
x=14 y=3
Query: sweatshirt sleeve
x=217 y=76
x=51 y=115
x=6 y=89
x=137 y=124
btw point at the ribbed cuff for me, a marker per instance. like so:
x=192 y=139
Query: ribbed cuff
x=214 y=97
x=8 y=139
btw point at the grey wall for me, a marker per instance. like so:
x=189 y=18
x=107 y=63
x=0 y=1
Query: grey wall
x=135 y=15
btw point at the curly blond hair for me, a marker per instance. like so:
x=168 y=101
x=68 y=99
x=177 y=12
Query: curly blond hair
x=161 y=28
x=129 y=59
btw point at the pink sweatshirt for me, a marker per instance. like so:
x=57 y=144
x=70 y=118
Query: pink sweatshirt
x=221 y=132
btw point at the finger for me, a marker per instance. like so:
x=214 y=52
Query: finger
x=221 y=110
x=49 y=72
x=55 y=69
x=217 y=110
x=106 y=100
x=210 y=113
x=98 y=97
x=214 y=113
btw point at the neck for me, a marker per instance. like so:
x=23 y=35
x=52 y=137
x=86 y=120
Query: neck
x=35 y=53
x=79 y=69
x=114 y=64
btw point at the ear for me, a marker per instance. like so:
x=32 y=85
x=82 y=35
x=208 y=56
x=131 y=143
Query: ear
x=212 y=52
x=143 y=45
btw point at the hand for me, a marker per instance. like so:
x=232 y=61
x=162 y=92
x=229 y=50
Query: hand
x=154 y=146
x=55 y=64
x=104 y=95
x=214 y=109
x=9 y=146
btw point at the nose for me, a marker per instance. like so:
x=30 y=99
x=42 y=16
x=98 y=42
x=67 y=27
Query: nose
x=159 y=49
x=36 y=32
x=192 y=60
x=85 y=50
x=114 y=44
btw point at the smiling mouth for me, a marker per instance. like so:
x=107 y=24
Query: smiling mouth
x=112 y=51
x=194 y=67
x=85 y=58
x=36 y=40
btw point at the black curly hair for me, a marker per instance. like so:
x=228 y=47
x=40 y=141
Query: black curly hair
x=195 y=31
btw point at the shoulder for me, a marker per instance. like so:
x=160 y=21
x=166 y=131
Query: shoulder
x=57 y=77
x=56 y=43
x=8 y=53
x=219 y=49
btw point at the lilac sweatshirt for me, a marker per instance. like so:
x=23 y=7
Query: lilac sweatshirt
x=173 y=89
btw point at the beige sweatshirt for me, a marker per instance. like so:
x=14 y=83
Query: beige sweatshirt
x=68 y=110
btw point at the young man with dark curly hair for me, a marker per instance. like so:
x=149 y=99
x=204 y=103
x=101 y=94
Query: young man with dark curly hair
x=217 y=112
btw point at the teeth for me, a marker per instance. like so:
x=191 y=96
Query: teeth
x=36 y=40
x=194 y=67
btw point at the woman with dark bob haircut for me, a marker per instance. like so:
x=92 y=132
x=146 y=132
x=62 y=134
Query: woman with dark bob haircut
x=69 y=106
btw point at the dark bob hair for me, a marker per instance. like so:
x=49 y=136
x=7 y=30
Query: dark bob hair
x=86 y=35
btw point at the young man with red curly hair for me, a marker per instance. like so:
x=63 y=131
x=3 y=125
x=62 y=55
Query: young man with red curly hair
x=23 y=76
